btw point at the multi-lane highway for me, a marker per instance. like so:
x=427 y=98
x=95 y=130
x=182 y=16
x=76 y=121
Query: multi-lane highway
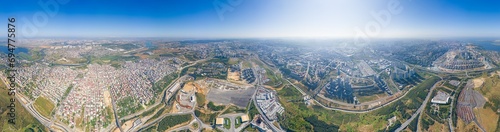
x=266 y=121
x=144 y=126
x=43 y=120
x=164 y=98
x=159 y=100
x=117 y=121
x=422 y=107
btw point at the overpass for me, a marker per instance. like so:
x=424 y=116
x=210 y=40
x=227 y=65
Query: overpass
x=29 y=107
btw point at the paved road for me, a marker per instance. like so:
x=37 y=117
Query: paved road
x=201 y=125
x=231 y=117
x=29 y=107
x=244 y=125
x=343 y=110
x=157 y=102
x=450 y=121
x=117 y=120
x=268 y=123
x=46 y=122
x=407 y=122
x=143 y=126
x=479 y=125
x=258 y=83
x=185 y=127
x=351 y=111
x=158 y=119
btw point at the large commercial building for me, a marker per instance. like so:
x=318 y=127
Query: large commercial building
x=441 y=98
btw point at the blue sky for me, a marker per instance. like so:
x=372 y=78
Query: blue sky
x=255 y=18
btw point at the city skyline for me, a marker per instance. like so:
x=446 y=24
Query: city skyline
x=257 y=19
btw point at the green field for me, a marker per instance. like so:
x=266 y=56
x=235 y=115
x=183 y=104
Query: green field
x=252 y=110
x=24 y=121
x=369 y=98
x=233 y=61
x=408 y=104
x=200 y=99
x=128 y=106
x=171 y=121
x=205 y=117
x=113 y=60
x=190 y=57
x=156 y=115
x=234 y=109
x=214 y=107
x=109 y=116
x=227 y=123
x=66 y=93
x=44 y=106
x=34 y=54
x=159 y=86
x=258 y=62
x=151 y=111
x=246 y=64
x=237 y=122
x=294 y=118
x=274 y=80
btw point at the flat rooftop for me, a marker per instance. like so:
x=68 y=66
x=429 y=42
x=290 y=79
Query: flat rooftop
x=441 y=98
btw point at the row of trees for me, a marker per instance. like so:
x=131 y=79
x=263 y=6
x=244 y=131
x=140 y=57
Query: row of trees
x=213 y=107
x=171 y=121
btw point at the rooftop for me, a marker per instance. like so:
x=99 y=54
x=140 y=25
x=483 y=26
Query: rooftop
x=441 y=98
x=219 y=121
x=244 y=118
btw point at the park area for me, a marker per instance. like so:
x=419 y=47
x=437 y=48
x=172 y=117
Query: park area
x=43 y=106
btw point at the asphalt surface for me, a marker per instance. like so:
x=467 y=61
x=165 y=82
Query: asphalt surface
x=422 y=107
x=266 y=121
x=46 y=122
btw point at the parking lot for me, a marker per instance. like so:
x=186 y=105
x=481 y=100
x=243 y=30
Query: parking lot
x=240 y=97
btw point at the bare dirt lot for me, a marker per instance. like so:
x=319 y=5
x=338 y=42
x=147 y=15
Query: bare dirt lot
x=127 y=125
x=188 y=87
x=478 y=82
x=233 y=76
x=201 y=87
x=174 y=109
x=107 y=98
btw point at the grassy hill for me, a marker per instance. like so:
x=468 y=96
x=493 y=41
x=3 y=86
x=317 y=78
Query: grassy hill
x=490 y=89
x=24 y=120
